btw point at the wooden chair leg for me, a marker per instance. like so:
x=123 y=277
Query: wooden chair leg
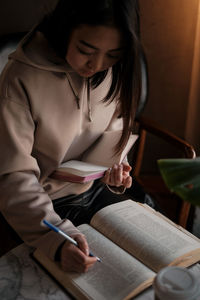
x=140 y=151
x=184 y=214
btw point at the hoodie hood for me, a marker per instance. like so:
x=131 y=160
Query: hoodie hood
x=34 y=50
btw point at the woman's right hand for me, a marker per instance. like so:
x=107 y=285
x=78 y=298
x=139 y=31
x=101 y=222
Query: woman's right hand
x=76 y=259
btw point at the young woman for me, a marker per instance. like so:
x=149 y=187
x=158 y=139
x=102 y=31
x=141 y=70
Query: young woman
x=72 y=78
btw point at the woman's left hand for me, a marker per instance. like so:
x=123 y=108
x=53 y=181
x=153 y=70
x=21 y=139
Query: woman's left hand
x=118 y=175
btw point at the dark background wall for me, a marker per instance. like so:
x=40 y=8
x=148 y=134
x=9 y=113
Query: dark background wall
x=21 y=15
x=170 y=32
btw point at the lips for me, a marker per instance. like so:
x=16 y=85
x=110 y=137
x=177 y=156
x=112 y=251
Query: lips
x=87 y=73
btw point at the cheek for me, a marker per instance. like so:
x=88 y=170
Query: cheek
x=109 y=63
x=74 y=59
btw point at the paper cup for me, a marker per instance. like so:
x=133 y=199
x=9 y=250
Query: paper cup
x=176 y=283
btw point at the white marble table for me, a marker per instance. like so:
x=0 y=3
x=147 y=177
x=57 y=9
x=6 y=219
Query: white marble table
x=22 y=279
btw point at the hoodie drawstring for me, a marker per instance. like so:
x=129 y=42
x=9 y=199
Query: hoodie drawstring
x=77 y=96
x=88 y=101
x=74 y=91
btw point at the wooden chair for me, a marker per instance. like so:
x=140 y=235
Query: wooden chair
x=171 y=205
x=181 y=212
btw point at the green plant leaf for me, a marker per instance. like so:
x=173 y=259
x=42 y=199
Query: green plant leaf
x=182 y=176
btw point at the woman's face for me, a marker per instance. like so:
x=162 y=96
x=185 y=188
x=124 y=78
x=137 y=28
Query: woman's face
x=93 y=49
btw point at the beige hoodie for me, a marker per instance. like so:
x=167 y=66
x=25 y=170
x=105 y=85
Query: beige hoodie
x=44 y=120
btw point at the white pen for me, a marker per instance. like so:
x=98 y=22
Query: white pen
x=56 y=229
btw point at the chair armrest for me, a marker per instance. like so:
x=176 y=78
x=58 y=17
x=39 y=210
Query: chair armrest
x=152 y=127
x=145 y=126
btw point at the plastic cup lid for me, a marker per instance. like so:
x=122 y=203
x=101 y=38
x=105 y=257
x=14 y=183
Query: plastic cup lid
x=176 y=283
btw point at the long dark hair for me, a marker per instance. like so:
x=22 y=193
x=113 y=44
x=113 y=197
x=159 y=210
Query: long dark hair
x=122 y=14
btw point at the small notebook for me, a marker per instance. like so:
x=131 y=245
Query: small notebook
x=96 y=160
x=79 y=171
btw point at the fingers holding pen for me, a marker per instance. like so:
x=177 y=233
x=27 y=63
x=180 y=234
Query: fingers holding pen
x=82 y=243
x=75 y=258
x=74 y=253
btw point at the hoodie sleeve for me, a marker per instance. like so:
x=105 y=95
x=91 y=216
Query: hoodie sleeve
x=23 y=201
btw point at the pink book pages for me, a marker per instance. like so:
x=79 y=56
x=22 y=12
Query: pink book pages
x=64 y=176
x=78 y=171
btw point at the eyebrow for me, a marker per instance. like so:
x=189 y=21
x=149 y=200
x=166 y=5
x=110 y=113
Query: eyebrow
x=95 y=48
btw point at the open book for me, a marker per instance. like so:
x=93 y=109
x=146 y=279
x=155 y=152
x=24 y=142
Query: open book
x=96 y=160
x=134 y=242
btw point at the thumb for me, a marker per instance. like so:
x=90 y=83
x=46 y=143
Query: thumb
x=126 y=167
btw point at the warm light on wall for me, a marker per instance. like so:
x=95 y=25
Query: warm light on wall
x=192 y=125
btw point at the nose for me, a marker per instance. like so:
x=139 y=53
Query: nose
x=96 y=63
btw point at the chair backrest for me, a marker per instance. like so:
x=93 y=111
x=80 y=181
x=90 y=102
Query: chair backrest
x=144 y=85
x=8 y=44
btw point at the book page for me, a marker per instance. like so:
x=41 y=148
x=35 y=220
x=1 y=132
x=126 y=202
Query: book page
x=145 y=235
x=118 y=273
x=115 y=277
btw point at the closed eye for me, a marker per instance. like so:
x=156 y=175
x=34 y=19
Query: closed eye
x=113 y=56
x=84 y=52
x=91 y=53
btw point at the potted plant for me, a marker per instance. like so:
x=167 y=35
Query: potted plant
x=182 y=177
